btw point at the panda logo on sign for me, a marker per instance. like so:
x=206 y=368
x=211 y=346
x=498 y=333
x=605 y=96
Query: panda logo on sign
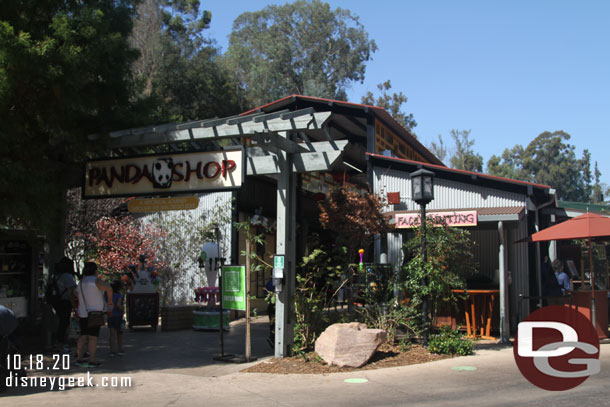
x=162 y=172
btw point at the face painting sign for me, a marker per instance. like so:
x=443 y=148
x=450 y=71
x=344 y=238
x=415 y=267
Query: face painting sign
x=164 y=174
x=454 y=218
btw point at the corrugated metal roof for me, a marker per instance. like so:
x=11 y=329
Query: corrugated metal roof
x=464 y=172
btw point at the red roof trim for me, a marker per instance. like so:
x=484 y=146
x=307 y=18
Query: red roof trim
x=309 y=98
x=478 y=174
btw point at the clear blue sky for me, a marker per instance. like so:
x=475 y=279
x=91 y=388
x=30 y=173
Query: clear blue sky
x=506 y=70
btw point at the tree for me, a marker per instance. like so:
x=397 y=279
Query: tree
x=510 y=165
x=597 y=195
x=302 y=47
x=450 y=262
x=120 y=241
x=64 y=74
x=81 y=219
x=393 y=104
x=548 y=160
x=439 y=150
x=465 y=158
x=354 y=216
x=179 y=67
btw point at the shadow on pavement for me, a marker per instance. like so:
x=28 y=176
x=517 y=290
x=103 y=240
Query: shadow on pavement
x=190 y=350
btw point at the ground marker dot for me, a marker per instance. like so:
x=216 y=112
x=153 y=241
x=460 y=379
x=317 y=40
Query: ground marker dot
x=463 y=368
x=355 y=380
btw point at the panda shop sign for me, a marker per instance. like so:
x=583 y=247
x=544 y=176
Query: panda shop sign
x=164 y=174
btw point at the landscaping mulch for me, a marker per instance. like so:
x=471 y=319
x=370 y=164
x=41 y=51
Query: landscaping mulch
x=386 y=356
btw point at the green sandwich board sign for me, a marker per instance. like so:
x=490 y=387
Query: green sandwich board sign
x=234 y=287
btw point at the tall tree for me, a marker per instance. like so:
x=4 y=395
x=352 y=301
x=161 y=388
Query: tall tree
x=599 y=188
x=549 y=160
x=585 y=165
x=392 y=103
x=179 y=66
x=64 y=73
x=509 y=165
x=302 y=47
x=438 y=149
x=465 y=158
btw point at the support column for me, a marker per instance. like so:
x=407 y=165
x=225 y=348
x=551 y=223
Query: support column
x=286 y=245
x=504 y=320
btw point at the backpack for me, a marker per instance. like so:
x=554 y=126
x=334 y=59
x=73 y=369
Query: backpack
x=51 y=293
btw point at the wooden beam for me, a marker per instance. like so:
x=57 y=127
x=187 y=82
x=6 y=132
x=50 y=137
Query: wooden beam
x=303 y=162
x=169 y=134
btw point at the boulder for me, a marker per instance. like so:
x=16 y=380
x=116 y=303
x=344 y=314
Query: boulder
x=351 y=344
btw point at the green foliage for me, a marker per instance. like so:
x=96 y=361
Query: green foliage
x=354 y=216
x=438 y=149
x=302 y=47
x=550 y=160
x=465 y=158
x=450 y=342
x=179 y=67
x=390 y=316
x=510 y=165
x=64 y=73
x=393 y=104
x=381 y=309
x=450 y=262
x=317 y=283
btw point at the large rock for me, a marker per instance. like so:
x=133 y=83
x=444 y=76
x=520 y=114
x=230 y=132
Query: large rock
x=351 y=344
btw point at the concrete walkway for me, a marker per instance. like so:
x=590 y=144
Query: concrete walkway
x=177 y=369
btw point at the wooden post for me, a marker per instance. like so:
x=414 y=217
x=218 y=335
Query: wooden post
x=248 y=350
x=285 y=245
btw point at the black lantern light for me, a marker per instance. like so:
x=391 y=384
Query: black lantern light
x=422 y=186
x=422 y=192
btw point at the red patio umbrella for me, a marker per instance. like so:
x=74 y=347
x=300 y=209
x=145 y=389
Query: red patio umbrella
x=587 y=226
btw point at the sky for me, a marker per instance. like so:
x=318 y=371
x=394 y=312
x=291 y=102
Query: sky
x=505 y=70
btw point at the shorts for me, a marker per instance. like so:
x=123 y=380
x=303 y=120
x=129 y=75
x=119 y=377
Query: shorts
x=116 y=323
x=88 y=331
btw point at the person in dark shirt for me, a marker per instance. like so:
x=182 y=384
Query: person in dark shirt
x=8 y=324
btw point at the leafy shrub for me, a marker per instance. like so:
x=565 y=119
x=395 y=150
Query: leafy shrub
x=450 y=262
x=317 y=281
x=450 y=342
x=381 y=309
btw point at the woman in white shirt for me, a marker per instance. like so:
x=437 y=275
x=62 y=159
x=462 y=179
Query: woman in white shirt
x=90 y=293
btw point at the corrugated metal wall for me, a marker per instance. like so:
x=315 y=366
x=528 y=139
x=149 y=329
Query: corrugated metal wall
x=207 y=202
x=518 y=255
x=456 y=195
x=486 y=250
x=447 y=194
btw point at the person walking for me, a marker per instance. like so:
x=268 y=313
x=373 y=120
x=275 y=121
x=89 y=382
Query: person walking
x=115 y=319
x=8 y=324
x=65 y=302
x=90 y=291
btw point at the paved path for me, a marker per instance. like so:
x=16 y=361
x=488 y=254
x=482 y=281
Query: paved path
x=177 y=369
